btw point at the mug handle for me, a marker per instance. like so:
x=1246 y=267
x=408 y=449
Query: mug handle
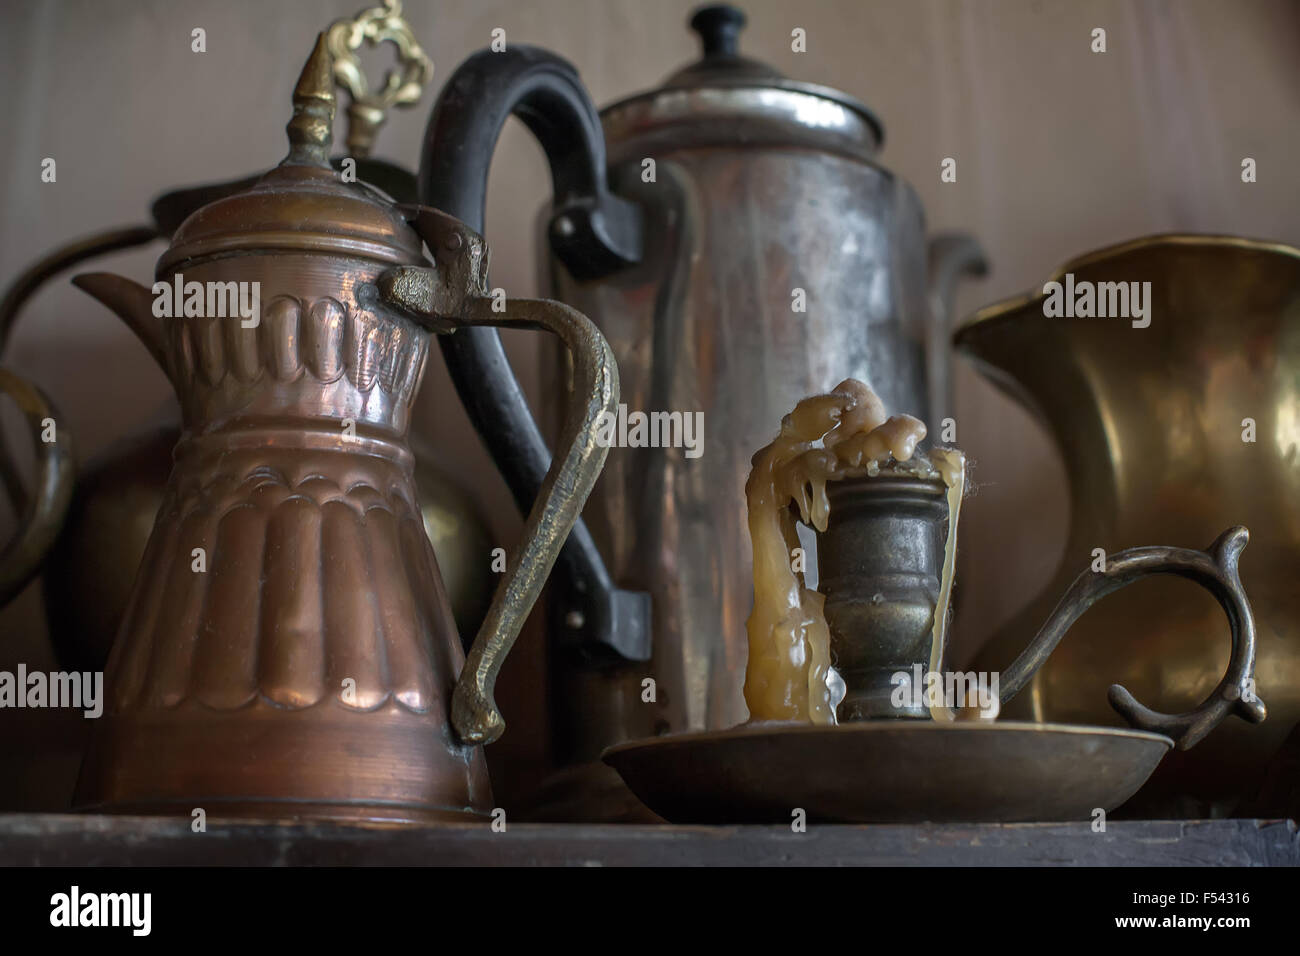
x=453 y=294
x=1216 y=571
x=47 y=506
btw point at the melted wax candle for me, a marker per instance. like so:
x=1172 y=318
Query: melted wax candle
x=826 y=438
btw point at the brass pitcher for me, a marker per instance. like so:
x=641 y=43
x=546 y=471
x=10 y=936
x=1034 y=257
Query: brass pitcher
x=1155 y=426
x=288 y=649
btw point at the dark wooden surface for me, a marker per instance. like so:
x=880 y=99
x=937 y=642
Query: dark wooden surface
x=68 y=840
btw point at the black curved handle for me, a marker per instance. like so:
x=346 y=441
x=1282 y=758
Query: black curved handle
x=593 y=232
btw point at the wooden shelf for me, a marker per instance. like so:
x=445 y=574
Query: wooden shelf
x=77 y=840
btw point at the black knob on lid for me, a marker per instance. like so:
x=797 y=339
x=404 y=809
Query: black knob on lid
x=719 y=27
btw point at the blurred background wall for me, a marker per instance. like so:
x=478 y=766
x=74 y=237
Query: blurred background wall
x=1059 y=151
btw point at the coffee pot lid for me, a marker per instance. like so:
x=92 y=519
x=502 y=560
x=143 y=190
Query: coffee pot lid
x=302 y=205
x=719 y=27
x=726 y=98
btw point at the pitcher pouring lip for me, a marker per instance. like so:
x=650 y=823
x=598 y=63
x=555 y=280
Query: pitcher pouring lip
x=969 y=335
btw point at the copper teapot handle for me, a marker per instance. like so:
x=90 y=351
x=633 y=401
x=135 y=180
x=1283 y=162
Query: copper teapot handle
x=453 y=294
x=559 y=501
x=47 y=506
x=1216 y=571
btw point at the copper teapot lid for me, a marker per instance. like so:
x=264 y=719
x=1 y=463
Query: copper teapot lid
x=726 y=98
x=302 y=205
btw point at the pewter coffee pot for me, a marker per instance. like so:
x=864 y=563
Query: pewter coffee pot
x=734 y=238
x=288 y=649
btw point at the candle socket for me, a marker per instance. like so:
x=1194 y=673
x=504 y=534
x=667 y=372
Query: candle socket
x=879 y=564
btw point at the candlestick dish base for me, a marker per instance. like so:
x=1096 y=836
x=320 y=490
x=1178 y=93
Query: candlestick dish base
x=895 y=771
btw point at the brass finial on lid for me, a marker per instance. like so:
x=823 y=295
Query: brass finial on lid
x=311 y=131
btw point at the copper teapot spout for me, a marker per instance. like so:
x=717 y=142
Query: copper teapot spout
x=133 y=304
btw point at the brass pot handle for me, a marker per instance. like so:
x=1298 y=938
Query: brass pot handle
x=47 y=505
x=1216 y=571
x=453 y=295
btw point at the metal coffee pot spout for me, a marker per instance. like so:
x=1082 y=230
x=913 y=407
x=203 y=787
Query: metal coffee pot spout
x=133 y=304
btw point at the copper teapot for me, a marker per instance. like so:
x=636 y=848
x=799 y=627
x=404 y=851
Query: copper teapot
x=288 y=649
x=95 y=543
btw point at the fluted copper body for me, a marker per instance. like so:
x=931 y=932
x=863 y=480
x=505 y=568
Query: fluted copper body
x=288 y=629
